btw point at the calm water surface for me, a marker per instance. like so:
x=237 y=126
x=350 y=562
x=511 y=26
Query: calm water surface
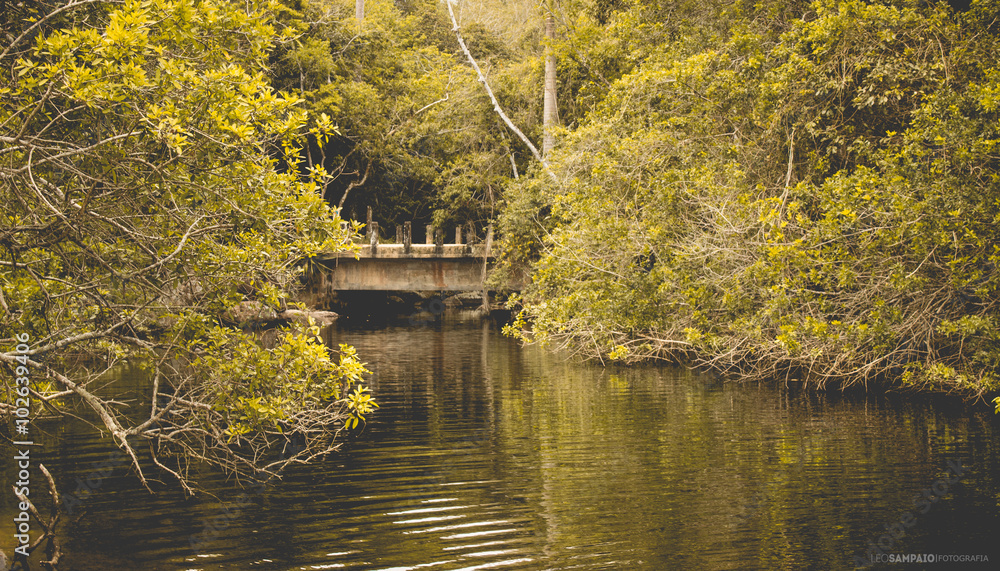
x=486 y=455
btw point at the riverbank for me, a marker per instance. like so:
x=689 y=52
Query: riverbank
x=825 y=355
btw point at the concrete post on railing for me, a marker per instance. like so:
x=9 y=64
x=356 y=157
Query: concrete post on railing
x=407 y=237
x=430 y=234
x=373 y=237
x=438 y=241
x=399 y=233
x=368 y=224
x=486 y=255
x=458 y=234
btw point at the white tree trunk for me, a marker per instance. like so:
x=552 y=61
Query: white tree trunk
x=359 y=10
x=496 y=104
x=550 y=109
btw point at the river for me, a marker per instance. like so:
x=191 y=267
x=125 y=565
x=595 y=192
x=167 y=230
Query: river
x=488 y=455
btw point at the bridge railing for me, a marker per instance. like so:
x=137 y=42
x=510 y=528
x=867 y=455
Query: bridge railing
x=433 y=247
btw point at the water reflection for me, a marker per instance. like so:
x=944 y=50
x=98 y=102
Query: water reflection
x=485 y=455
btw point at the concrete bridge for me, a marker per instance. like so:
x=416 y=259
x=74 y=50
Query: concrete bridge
x=404 y=266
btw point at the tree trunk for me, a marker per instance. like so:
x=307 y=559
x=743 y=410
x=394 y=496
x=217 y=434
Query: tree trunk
x=550 y=110
x=496 y=104
x=359 y=10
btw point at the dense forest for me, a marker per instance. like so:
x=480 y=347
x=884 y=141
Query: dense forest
x=798 y=191
x=803 y=191
x=145 y=217
x=791 y=190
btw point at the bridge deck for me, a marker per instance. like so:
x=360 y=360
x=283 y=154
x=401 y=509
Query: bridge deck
x=391 y=267
x=405 y=266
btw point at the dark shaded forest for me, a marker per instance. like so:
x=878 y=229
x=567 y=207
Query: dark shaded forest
x=792 y=190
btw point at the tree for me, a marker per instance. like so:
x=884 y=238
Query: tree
x=550 y=113
x=489 y=92
x=810 y=197
x=144 y=217
x=416 y=139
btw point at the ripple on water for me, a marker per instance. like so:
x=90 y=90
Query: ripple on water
x=486 y=455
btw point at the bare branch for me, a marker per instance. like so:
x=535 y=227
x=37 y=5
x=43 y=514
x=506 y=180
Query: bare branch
x=354 y=184
x=493 y=99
